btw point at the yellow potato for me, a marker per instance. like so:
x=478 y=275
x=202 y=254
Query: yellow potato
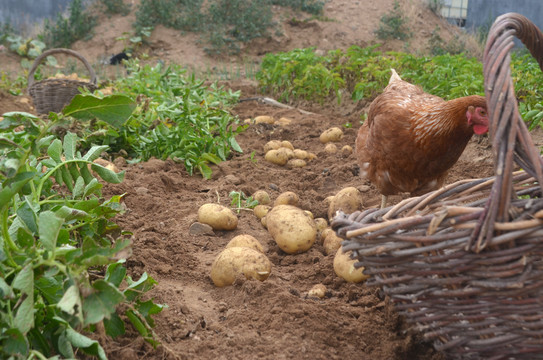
x=261 y=210
x=344 y=267
x=276 y=157
x=264 y=119
x=245 y=240
x=301 y=154
x=347 y=200
x=318 y=290
x=311 y=156
x=346 y=151
x=287 y=198
x=333 y=134
x=217 y=216
x=286 y=151
x=296 y=163
x=234 y=261
x=272 y=145
x=330 y=148
x=284 y=121
x=262 y=197
x=321 y=224
x=310 y=215
x=264 y=222
x=331 y=243
x=292 y=229
x=324 y=233
x=287 y=144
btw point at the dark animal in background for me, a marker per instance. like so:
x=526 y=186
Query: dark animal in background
x=118 y=58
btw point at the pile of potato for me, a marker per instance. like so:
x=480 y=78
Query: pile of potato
x=283 y=153
x=331 y=136
x=293 y=229
x=266 y=119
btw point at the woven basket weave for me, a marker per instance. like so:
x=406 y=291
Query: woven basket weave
x=464 y=264
x=54 y=93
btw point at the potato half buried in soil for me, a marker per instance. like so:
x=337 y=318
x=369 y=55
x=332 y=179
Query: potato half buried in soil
x=234 y=261
x=217 y=216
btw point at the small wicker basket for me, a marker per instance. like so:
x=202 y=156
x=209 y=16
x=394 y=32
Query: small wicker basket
x=53 y=94
x=464 y=264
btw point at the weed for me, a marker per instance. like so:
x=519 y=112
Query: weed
x=437 y=45
x=393 y=25
x=435 y=6
x=65 y=31
x=240 y=201
x=116 y=7
x=314 y=7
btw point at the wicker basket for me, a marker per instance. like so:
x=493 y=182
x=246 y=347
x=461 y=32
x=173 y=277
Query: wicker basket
x=464 y=264
x=54 y=93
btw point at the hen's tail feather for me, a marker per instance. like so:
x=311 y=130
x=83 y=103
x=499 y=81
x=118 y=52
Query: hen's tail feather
x=394 y=76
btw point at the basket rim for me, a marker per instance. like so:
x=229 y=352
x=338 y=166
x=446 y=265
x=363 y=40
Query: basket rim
x=39 y=59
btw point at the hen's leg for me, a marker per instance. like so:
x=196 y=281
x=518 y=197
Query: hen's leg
x=383 y=201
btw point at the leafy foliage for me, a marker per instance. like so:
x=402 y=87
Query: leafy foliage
x=224 y=24
x=177 y=117
x=393 y=25
x=116 y=6
x=61 y=256
x=241 y=201
x=364 y=72
x=65 y=31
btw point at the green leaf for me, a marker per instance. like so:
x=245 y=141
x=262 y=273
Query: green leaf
x=15 y=342
x=88 y=345
x=136 y=288
x=71 y=302
x=113 y=109
x=65 y=346
x=79 y=188
x=94 y=152
x=5 y=290
x=13 y=186
x=24 y=319
x=114 y=326
x=70 y=145
x=27 y=216
x=92 y=187
x=108 y=175
x=115 y=273
x=49 y=228
x=101 y=303
x=24 y=280
x=138 y=324
x=55 y=150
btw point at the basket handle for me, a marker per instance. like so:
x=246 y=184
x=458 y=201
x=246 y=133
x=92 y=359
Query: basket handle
x=73 y=53
x=510 y=136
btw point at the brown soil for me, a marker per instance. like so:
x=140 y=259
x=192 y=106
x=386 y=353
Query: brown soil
x=274 y=319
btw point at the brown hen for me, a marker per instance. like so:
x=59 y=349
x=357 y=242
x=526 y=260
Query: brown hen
x=411 y=139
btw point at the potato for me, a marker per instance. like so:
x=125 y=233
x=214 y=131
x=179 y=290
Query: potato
x=261 y=210
x=318 y=291
x=333 y=134
x=300 y=154
x=346 y=151
x=264 y=222
x=262 y=197
x=330 y=148
x=276 y=157
x=310 y=215
x=344 y=267
x=311 y=156
x=287 y=144
x=107 y=164
x=347 y=200
x=283 y=121
x=272 y=145
x=296 y=163
x=292 y=229
x=217 y=216
x=331 y=243
x=245 y=240
x=287 y=198
x=264 y=119
x=234 y=261
x=287 y=151
x=324 y=233
x=321 y=224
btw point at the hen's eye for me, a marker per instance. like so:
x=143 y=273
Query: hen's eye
x=482 y=112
